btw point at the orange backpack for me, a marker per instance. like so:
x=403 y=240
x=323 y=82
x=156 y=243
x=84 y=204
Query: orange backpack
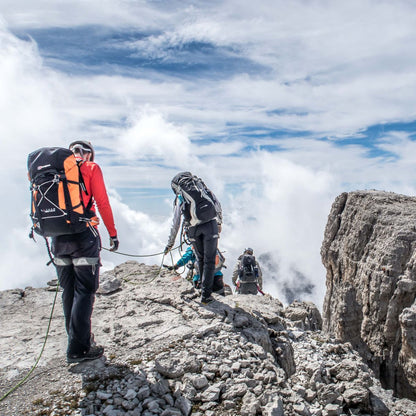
x=56 y=186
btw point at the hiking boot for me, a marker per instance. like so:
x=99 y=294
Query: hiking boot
x=206 y=301
x=93 y=353
x=220 y=292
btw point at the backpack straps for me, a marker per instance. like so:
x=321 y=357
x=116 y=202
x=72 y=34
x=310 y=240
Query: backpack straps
x=83 y=187
x=81 y=179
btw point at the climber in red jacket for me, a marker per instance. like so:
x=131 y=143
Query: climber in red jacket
x=77 y=259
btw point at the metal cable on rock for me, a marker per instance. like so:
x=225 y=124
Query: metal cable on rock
x=138 y=255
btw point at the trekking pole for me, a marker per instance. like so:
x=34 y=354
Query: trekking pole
x=258 y=288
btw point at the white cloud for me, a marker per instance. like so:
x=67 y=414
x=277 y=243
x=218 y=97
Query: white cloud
x=218 y=149
x=27 y=120
x=334 y=68
x=67 y=13
x=150 y=136
x=280 y=211
x=25 y=93
x=22 y=261
x=139 y=234
x=330 y=70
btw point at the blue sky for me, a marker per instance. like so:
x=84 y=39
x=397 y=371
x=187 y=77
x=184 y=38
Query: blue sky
x=116 y=52
x=280 y=106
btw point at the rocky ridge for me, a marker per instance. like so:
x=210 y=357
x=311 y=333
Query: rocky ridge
x=166 y=354
x=369 y=251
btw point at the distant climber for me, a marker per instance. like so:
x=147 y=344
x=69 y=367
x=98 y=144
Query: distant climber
x=247 y=275
x=202 y=218
x=189 y=259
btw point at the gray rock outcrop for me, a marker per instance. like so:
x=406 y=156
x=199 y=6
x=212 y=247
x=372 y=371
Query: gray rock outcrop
x=370 y=257
x=167 y=354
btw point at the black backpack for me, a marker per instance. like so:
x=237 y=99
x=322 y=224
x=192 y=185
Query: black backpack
x=56 y=185
x=248 y=271
x=199 y=205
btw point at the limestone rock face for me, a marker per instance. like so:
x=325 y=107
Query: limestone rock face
x=370 y=257
x=167 y=354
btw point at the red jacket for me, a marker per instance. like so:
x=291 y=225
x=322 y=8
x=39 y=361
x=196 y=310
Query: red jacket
x=94 y=182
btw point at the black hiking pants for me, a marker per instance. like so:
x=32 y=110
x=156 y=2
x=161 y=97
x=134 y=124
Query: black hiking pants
x=204 y=238
x=248 y=289
x=77 y=264
x=218 y=285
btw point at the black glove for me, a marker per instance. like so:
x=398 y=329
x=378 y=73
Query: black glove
x=175 y=267
x=167 y=249
x=114 y=243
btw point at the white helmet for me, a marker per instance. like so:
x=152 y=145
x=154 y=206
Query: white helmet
x=82 y=147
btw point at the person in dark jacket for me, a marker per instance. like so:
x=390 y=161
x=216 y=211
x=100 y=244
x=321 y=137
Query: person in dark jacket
x=202 y=233
x=77 y=259
x=247 y=283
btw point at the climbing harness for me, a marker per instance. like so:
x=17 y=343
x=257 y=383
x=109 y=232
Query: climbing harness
x=184 y=235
